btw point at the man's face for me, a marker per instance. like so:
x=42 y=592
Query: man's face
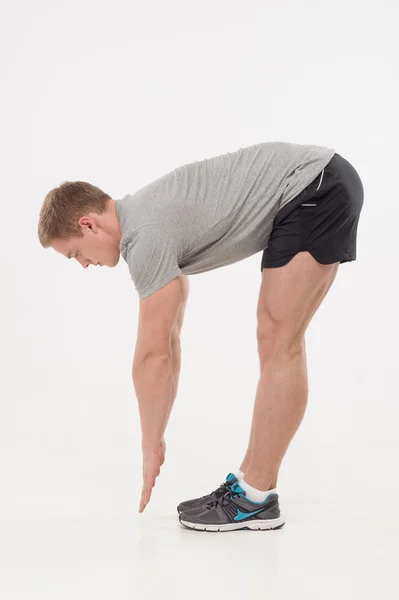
x=98 y=246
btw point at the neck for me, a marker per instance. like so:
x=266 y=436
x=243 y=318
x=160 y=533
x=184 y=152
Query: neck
x=114 y=221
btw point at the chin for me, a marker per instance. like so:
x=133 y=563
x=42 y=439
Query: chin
x=115 y=261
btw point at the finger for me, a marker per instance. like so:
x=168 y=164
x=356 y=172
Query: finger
x=148 y=484
x=142 y=498
x=142 y=501
x=148 y=489
x=145 y=495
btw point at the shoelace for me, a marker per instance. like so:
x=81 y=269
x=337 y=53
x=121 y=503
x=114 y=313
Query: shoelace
x=224 y=499
x=222 y=490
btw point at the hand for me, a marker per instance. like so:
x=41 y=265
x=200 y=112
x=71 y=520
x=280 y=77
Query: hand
x=152 y=462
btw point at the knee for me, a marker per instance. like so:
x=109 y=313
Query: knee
x=277 y=339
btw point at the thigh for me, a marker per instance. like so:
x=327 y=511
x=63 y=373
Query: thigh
x=289 y=296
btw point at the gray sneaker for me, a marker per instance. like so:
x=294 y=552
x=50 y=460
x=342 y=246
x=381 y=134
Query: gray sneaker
x=232 y=511
x=203 y=500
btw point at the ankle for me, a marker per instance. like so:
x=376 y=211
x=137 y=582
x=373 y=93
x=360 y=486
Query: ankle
x=255 y=494
x=260 y=481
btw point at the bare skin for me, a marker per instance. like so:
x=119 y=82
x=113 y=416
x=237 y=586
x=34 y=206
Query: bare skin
x=288 y=299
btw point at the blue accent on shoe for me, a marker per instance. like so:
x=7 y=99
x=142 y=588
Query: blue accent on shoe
x=252 y=502
x=230 y=477
x=241 y=515
x=238 y=489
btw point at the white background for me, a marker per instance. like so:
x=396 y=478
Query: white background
x=117 y=94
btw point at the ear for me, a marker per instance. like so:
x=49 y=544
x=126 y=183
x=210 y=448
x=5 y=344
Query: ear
x=88 y=223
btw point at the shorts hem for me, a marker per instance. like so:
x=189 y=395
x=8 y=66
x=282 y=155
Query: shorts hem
x=324 y=260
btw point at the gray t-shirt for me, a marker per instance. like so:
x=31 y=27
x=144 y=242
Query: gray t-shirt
x=211 y=213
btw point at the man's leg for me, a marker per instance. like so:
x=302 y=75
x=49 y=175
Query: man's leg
x=288 y=299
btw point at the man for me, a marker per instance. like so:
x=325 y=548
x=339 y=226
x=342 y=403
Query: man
x=300 y=205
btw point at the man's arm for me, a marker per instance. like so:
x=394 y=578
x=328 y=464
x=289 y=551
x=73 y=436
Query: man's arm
x=176 y=349
x=156 y=363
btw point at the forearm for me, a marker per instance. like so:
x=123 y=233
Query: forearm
x=176 y=363
x=153 y=380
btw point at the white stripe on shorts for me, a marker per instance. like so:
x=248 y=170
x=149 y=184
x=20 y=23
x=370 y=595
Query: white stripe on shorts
x=321 y=179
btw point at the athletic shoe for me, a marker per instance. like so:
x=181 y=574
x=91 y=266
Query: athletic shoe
x=222 y=489
x=233 y=511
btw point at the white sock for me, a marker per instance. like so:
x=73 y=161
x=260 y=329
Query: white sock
x=253 y=494
x=239 y=474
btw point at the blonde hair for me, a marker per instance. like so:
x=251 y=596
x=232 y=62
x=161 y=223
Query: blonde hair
x=64 y=205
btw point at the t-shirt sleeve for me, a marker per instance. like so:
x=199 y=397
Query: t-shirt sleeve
x=153 y=260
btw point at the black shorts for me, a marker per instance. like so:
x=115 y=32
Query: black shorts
x=322 y=219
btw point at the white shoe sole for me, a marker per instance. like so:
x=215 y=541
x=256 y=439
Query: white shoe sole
x=255 y=524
